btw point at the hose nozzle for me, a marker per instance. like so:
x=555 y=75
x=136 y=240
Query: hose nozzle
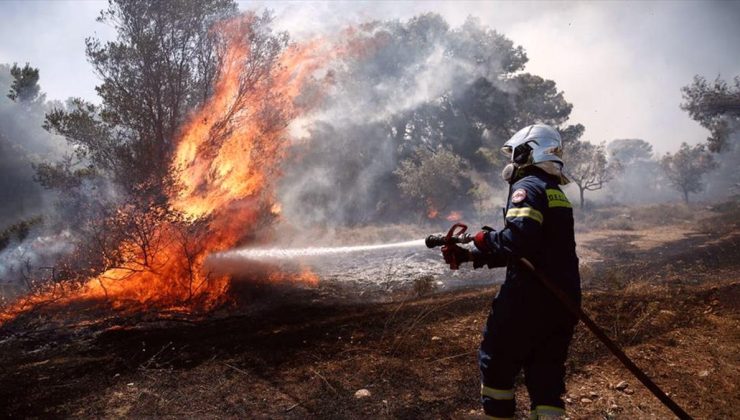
x=441 y=239
x=433 y=241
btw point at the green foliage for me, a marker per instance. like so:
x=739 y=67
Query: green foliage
x=571 y=133
x=22 y=142
x=162 y=64
x=18 y=231
x=628 y=151
x=116 y=177
x=25 y=86
x=433 y=179
x=416 y=85
x=685 y=168
x=716 y=106
x=538 y=100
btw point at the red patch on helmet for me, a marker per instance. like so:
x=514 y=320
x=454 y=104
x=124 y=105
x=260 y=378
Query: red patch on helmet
x=518 y=196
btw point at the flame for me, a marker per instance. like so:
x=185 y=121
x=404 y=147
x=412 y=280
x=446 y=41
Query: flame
x=305 y=276
x=226 y=159
x=454 y=216
x=276 y=209
x=432 y=211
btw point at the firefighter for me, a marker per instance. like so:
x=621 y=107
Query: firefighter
x=528 y=328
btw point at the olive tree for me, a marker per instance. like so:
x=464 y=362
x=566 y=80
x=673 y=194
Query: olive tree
x=434 y=179
x=588 y=166
x=686 y=168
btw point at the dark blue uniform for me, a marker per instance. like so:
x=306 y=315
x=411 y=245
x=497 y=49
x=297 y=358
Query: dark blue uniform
x=528 y=328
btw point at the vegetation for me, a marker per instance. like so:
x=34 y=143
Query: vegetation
x=25 y=87
x=686 y=167
x=436 y=179
x=116 y=175
x=588 y=166
x=716 y=106
x=418 y=85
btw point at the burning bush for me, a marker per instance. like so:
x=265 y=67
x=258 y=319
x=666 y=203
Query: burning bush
x=145 y=245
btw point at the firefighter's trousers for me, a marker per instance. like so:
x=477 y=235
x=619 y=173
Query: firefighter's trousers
x=520 y=335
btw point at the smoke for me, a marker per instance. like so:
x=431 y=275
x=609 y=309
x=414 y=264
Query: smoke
x=723 y=183
x=28 y=212
x=22 y=142
x=342 y=163
x=27 y=264
x=640 y=179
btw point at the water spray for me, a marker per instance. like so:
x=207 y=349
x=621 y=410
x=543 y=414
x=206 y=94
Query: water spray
x=455 y=235
x=293 y=253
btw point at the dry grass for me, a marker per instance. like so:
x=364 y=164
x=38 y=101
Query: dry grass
x=672 y=305
x=637 y=217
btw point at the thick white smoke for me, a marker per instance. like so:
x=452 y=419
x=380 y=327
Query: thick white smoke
x=347 y=150
x=29 y=238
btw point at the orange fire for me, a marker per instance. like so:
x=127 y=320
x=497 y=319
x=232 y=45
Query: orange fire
x=226 y=159
x=454 y=216
x=432 y=211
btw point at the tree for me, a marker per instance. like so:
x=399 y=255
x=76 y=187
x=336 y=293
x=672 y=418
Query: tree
x=716 y=106
x=433 y=179
x=161 y=65
x=117 y=181
x=686 y=167
x=571 y=133
x=25 y=86
x=628 y=151
x=538 y=100
x=638 y=167
x=588 y=166
x=402 y=86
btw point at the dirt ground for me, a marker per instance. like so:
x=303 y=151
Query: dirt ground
x=668 y=290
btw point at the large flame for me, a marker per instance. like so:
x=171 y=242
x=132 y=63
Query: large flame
x=226 y=161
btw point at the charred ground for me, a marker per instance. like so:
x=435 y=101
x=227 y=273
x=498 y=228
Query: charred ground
x=666 y=289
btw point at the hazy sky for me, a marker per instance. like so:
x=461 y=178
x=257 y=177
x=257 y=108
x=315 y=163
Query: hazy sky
x=621 y=64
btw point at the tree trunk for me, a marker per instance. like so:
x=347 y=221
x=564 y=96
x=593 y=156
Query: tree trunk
x=582 y=191
x=685 y=196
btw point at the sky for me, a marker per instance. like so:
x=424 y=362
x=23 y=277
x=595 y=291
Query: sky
x=621 y=64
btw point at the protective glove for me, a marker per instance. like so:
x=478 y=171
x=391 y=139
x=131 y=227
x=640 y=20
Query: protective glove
x=455 y=255
x=485 y=253
x=481 y=240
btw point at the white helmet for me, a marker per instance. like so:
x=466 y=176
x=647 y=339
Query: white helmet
x=534 y=144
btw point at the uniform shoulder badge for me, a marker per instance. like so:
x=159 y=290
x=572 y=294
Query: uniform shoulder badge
x=518 y=196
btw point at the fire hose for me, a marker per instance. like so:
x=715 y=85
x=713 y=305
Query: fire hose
x=457 y=235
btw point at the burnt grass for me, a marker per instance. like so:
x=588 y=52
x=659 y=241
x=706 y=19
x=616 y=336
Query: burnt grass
x=674 y=309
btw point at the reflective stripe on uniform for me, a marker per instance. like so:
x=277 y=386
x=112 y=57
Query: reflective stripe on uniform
x=497 y=394
x=547 y=412
x=525 y=212
x=556 y=198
